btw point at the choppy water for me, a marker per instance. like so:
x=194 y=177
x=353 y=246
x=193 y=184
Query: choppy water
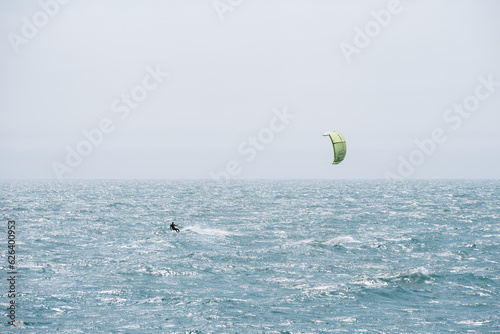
x=254 y=256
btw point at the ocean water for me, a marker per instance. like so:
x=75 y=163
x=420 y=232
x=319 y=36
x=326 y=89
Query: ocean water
x=253 y=256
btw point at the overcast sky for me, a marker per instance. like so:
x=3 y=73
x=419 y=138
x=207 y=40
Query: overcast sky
x=246 y=88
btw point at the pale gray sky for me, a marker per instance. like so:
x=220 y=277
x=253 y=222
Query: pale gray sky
x=384 y=73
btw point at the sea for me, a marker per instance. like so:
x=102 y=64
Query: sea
x=252 y=256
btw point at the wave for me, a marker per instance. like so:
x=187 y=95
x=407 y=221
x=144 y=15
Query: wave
x=411 y=276
x=371 y=282
x=207 y=231
x=342 y=240
x=472 y=322
x=414 y=275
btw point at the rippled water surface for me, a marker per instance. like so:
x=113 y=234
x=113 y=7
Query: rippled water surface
x=254 y=256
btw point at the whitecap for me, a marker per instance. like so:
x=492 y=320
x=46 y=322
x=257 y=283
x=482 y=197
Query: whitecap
x=132 y=326
x=342 y=240
x=326 y=287
x=413 y=275
x=207 y=231
x=20 y=324
x=419 y=271
x=111 y=292
x=470 y=323
x=371 y=282
x=346 y=319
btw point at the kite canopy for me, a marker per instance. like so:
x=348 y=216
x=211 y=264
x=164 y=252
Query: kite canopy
x=339 y=146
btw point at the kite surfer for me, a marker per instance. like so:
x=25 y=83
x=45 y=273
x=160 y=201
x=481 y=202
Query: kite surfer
x=173 y=227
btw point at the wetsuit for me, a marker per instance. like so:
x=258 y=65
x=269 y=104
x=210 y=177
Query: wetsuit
x=174 y=228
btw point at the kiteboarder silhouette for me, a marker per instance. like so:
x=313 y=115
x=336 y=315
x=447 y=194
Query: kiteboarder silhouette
x=173 y=227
